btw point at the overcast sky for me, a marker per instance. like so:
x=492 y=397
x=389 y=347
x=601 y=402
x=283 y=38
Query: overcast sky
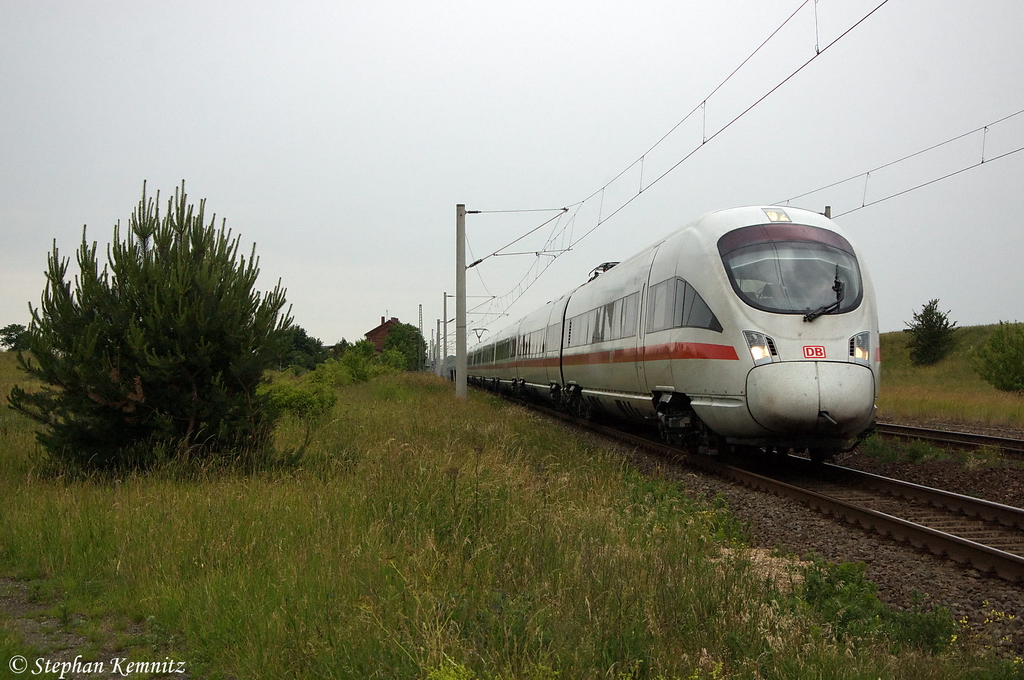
x=339 y=137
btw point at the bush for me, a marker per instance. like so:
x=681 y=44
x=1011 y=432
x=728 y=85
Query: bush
x=932 y=335
x=363 y=362
x=161 y=349
x=306 y=401
x=1000 y=361
x=331 y=373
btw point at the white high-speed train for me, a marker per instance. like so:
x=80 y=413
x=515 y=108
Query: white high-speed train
x=749 y=327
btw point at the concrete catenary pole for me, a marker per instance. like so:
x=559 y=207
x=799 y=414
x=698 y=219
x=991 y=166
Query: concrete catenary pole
x=437 y=350
x=444 y=346
x=460 y=302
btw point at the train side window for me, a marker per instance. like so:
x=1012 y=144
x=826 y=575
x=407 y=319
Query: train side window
x=595 y=326
x=660 y=305
x=610 y=321
x=676 y=304
x=599 y=328
x=614 y=319
x=554 y=336
x=692 y=311
x=580 y=329
x=630 y=303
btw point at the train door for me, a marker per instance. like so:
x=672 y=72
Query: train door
x=641 y=334
x=556 y=339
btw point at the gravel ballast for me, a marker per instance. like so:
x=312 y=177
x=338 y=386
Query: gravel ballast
x=990 y=609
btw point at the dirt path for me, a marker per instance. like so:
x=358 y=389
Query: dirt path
x=68 y=646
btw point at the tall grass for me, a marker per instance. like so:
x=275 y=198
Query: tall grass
x=17 y=433
x=421 y=535
x=949 y=390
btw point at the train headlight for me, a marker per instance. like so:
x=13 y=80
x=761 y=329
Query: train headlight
x=761 y=347
x=776 y=215
x=860 y=348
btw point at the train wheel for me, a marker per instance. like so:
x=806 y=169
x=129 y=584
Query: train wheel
x=821 y=455
x=709 y=443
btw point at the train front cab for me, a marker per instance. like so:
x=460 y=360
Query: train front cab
x=810 y=335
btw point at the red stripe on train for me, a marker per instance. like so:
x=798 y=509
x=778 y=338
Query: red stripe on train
x=663 y=352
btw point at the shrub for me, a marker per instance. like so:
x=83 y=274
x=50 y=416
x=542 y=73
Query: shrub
x=932 y=335
x=305 y=401
x=363 y=362
x=161 y=349
x=331 y=373
x=1000 y=361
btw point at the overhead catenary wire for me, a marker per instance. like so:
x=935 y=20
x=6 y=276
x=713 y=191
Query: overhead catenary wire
x=699 y=107
x=705 y=139
x=479 y=275
x=866 y=204
x=867 y=174
x=561 y=211
x=743 y=113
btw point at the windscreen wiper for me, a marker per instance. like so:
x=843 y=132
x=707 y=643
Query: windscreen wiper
x=840 y=288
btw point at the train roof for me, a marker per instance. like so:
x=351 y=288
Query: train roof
x=709 y=227
x=717 y=223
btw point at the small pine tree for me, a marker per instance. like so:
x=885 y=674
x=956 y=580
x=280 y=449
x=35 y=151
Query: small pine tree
x=161 y=349
x=931 y=335
x=1000 y=361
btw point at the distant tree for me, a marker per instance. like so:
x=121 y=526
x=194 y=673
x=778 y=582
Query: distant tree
x=303 y=350
x=1000 y=361
x=160 y=351
x=406 y=339
x=931 y=335
x=339 y=349
x=11 y=336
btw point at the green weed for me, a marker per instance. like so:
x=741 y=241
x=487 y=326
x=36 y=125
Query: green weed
x=843 y=596
x=419 y=534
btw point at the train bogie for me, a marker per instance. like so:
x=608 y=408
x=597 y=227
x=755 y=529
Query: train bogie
x=750 y=326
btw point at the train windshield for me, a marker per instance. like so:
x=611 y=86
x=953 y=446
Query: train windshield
x=792 y=269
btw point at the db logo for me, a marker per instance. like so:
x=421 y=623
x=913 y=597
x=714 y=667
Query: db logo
x=814 y=352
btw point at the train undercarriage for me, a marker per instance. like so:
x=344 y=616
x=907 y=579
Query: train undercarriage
x=672 y=415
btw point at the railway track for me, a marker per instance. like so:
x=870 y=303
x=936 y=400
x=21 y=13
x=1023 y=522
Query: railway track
x=962 y=439
x=972 y=532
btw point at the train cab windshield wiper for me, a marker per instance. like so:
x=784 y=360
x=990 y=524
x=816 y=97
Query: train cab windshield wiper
x=840 y=289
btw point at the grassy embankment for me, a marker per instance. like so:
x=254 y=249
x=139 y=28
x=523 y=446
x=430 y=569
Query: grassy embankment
x=949 y=391
x=421 y=537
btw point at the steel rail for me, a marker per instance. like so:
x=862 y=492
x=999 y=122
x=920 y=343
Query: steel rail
x=988 y=511
x=1014 y=446
x=983 y=558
